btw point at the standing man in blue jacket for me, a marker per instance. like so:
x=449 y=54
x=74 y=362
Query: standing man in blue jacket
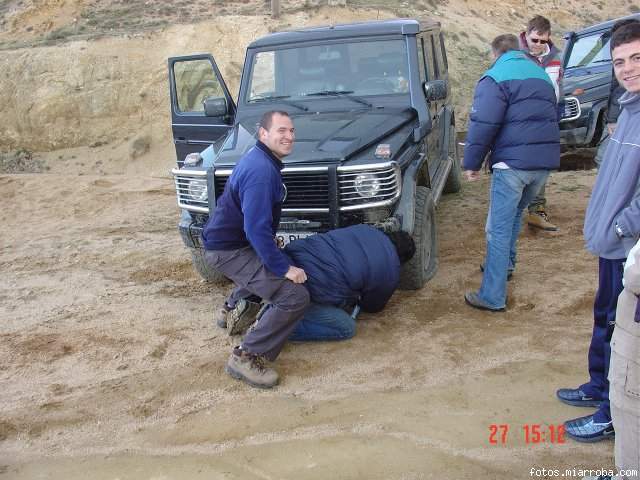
x=514 y=116
x=239 y=242
x=611 y=228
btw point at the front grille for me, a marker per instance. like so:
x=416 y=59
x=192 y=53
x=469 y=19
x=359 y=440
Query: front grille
x=379 y=186
x=571 y=109
x=306 y=190
x=191 y=189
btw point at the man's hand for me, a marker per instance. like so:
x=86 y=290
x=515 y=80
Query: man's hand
x=296 y=275
x=471 y=176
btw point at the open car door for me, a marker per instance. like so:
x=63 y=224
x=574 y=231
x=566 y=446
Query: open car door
x=202 y=110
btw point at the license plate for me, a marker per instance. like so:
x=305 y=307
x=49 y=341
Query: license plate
x=284 y=238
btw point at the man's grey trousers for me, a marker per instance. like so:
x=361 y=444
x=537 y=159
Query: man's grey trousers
x=287 y=300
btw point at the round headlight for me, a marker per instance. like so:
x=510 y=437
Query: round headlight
x=367 y=185
x=197 y=190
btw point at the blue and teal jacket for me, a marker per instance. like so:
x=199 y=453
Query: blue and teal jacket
x=514 y=115
x=248 y=211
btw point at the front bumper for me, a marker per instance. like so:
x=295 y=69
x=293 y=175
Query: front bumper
x=574 y=136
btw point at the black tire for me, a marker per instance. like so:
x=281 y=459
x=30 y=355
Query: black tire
x=424 y=264
x=205 y=271
x=454 y=180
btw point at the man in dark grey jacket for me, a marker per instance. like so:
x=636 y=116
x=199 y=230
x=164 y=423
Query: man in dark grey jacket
x=611 y=228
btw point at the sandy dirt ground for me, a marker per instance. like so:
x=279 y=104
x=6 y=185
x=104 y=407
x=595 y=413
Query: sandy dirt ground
x=111 y=366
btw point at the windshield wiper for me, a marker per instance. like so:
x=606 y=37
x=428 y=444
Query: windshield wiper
x=279 y=98
x=341 y=94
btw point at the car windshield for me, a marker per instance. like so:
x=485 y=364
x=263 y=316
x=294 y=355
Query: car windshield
x=338 y=70
x=590 y=50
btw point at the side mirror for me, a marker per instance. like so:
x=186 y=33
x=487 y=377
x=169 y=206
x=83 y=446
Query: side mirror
x=215 y=107
x=435 y=90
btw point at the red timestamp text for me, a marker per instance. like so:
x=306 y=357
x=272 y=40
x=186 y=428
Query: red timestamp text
x=530 y=433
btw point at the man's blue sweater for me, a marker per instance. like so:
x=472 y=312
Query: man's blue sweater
x=248 y=211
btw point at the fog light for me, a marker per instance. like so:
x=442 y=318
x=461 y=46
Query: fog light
x=367 y=185
x=197 y=190
x=192 y=159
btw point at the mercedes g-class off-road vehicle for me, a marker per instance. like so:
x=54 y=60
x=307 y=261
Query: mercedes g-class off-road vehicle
x=375 y=131
x=588 y=74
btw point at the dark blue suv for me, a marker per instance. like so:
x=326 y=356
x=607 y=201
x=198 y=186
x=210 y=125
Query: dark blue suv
x=375 y=131
x=587 y=84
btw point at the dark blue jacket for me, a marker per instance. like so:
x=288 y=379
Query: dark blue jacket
x=357 y=264
x=248 y=211
x=514 y=115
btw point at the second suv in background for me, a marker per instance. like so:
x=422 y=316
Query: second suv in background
x=587 y=83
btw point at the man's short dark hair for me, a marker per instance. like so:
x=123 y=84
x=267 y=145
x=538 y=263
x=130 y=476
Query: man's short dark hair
x=540 y=24
x=267 y=118
x=405 y=246
x=625 y=31
x=504 y=43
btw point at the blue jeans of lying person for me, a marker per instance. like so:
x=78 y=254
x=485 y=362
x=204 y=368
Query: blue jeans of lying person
x=511 y=191
x=324 y=323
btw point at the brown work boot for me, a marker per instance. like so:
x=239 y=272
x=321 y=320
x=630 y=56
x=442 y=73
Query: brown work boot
x=540 y=220
x=242 y=316
x=251 y=369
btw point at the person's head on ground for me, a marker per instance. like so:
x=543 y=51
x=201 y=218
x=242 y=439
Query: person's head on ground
x=538 y=34
x=277 y=133
x=625 y=54
x=503 y=43
x=405 y=246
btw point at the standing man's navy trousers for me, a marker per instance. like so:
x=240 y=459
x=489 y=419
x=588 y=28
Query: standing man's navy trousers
x=604 y=320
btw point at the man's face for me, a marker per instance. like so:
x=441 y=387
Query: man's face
x=538 y=41
x=280 y=137
x=626 y=65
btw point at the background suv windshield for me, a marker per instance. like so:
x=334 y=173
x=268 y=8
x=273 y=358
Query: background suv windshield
x=590 y=50
x=358 y=68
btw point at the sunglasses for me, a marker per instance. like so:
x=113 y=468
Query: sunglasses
x=540 y=41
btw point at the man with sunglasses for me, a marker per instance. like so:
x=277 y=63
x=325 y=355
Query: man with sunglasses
x=536 y=41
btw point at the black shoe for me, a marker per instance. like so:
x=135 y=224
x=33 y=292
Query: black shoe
x=577 y=398
x=475 y=301
x=509 y=272
x=584 y=429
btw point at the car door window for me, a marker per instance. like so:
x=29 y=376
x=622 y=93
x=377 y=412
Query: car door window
x=434 y=58
x=424 y=74
x=429 y=57
x=195 y=81
x=438 y=43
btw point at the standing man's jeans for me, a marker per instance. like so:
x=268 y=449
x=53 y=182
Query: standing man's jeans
x=511 y=191
x=602 y=147
x=604 y=320
x=539 y=202
x=287 y=300
x=324 y=323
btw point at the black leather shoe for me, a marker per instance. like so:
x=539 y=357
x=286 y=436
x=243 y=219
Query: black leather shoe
x=584 y=429
x=577 y=398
